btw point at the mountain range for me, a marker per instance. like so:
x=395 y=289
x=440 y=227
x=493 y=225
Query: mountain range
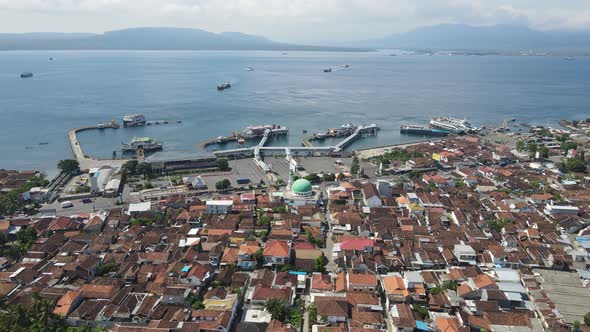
x=496 y=38
x=153 y=39
x=438 y=37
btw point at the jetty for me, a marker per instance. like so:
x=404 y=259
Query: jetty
x=85 y=161
x=257 y=151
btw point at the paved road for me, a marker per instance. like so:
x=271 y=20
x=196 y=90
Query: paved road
x=98 y=203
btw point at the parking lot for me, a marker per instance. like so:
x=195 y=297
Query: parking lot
x=247 y=168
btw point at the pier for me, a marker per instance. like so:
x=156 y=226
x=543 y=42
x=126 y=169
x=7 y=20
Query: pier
x=306 y=150
x=85 y=161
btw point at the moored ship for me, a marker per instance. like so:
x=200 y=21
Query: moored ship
x=145 y=143
x=456 y=126
x=422 y=130
x=134 y=120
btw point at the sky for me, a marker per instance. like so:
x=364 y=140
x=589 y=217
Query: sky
x=297 y=21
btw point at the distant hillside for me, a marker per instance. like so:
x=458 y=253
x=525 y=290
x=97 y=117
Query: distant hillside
x=497 y=37
x=151 y=39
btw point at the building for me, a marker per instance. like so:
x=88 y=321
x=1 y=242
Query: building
x=465 y=254
x=99 y=178
x=301 y=193
x=219 y=206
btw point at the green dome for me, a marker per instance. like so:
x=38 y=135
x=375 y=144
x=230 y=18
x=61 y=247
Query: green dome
x=301 y=186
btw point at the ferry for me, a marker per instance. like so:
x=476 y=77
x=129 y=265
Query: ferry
x=456 y=126
x=257 y=131
x=134 y=120
x=422 y=130
x=223 y=86
x=145 y=143
x=26 y=75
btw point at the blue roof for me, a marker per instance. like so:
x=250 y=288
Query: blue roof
x=298 y=273
x=420 y=325
x=186 y=269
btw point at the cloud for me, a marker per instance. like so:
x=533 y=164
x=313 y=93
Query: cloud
x=290 y=20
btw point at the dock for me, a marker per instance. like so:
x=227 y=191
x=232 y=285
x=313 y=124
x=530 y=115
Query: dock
x=85 y=161
x=257 y=151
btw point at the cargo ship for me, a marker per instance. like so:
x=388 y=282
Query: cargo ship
x=422 y=130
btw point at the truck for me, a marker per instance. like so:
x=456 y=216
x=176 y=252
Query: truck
x=243 y=181
x=66 y=204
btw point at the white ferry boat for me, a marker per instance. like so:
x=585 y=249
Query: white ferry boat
x=134 y=120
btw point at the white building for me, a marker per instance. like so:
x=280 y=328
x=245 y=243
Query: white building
x=99 y=178
x=219 y=206
x=465 y=254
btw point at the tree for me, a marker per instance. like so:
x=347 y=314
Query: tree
x=148 y=185
x=130 y=167
x=258 y=258
x=222 y=164
x=355 y=167
x=543 y=152
x=587 y=319
x=320 y=264
x=340 y=176
x=145 y=169
x=313 y=313
x=68 y=166
x=313 y=178
x=520 y=145
x=420 y=310
x=576 y=325
x=222 y=184
x=330 y=177
x=26 y=237
x=277 y=308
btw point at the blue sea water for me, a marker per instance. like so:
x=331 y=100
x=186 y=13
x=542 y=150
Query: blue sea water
x=81 y=88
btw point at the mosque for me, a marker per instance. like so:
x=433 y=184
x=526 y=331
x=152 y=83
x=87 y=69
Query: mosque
x=300 y=192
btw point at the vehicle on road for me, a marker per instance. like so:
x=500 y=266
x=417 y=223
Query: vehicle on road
x=66 y=204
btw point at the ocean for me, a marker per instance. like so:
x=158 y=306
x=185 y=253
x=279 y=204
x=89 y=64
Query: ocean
x=79 y=88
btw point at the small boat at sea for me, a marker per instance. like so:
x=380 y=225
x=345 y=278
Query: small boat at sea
x=26 y=74
x=249 y=69
x=328 y=70
x=345 y=66
x=43 y=143
x=223 y=86
x=179 y=121
x=304 y=131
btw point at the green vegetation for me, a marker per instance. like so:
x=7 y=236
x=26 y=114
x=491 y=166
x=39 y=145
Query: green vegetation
x=148 y=185
x=145 y=169
x=545 y=132
x=314 y=240
x=576 y=325
x=573 y=165
x=222 y=164
x=498 y=225
x=37 y=316
x=104 y=269
x=68 y=166
x=82 y=189
x=355 y=167
x=279 y=209
x=520 y=145
x=313 y=178
x=566 y=146
x=313 y=314
x=158 y=218
x=12 y=201
x=402 y=155
x=130 y=167
x=587 y=319
x=222 y=184
x=448 y=284
x=420 y=310
x=320 y=264
x=277 y=308
x=258 y=258
x=543 y=152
